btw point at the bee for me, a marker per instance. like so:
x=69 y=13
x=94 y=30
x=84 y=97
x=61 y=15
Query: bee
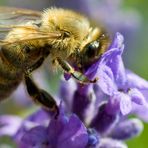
x=28 y=37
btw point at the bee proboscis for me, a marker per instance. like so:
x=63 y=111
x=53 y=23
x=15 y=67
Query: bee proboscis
x=27 y=37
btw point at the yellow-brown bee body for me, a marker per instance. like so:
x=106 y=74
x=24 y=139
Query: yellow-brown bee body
x=63 y=35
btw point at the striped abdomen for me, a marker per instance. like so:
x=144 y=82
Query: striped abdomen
x=10 y=77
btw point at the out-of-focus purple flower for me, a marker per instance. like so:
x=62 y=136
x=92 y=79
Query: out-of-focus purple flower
x=82 y=99
x=111 y=14
x=127 y=129
x=9 y=125
x=111 y=143
x=66 y=92
x=39 y=118
x=21 y=96
x=104 y=120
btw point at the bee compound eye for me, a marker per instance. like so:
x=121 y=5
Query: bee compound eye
x=92 y=48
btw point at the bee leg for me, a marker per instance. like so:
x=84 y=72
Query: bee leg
x=40 y=96
x=76 y=74
x=36 y=65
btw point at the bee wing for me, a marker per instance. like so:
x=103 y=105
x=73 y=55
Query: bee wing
x=11 y=17
x=16 y=16
x=34 y=36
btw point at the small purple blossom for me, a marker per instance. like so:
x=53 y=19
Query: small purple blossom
x=92 y=115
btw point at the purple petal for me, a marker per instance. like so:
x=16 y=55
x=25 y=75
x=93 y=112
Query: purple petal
x=36 y=137
x=125 y=104
x=99 y=95
x=91 y=71
x=108 y=55
x=111 y=143
x=140 y=111
x=67 y=76
x=116 y=62
x=118 y=42
x=9 y=125
x=120 y=102
x=81 y=100
x=56 y=127
x=127 y=129
x=136 y=81
x=74 y=134
x=93 y=137
x=113 y=105
x=103 y=121
x=118 y=69
x=137 y=97
x=40 y=116
x=67 y=132
x=106 y=81
x=25 y=127
x=66 y=92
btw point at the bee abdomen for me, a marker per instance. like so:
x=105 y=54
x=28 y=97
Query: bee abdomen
x=10 y=77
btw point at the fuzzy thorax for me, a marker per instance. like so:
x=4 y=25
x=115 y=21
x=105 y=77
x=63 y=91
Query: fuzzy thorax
x=75 y=26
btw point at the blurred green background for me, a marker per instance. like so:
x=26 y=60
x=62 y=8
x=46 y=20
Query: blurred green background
x=135 y=58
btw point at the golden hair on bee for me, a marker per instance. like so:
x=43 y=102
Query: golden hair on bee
x=66 y=20
x=73 y=26
x=31 y=36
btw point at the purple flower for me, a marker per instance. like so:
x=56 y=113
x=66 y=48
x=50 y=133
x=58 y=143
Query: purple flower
x=20 y=95
x=68 y=132
x=111 y=143
x=114 y=80
x=9 y=125
x=59 y=133
x=127 y=129
x=65 y=94
x=113 y=16
x=96 y=115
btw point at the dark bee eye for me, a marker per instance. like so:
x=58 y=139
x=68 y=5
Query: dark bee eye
x=92 y=48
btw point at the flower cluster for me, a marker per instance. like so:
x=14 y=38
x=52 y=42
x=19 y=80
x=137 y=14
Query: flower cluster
x=92 y=115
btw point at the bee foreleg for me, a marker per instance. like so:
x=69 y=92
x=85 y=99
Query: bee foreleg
x=40 y=96
x=76 y=74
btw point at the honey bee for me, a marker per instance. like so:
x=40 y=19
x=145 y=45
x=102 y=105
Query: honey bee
x=28 y=37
